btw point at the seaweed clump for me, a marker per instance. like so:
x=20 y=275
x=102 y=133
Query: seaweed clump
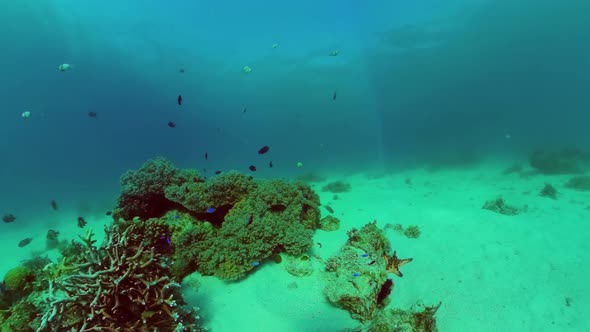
x=548 y=191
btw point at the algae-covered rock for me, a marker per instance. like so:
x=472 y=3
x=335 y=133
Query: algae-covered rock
x=299 y=266
x=357 y=272
x=396 y=320
x=498 y=205
x=329 y=223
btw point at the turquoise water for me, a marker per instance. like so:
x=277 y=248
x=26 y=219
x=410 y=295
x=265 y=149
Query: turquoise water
x=344 y=87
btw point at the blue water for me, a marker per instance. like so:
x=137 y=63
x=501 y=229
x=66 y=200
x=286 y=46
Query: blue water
x=418 y=82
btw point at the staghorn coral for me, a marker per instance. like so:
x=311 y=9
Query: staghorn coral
x=117 y=286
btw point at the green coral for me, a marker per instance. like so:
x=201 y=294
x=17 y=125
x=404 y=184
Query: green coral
x=142 y=190
x=370 y=238
x=271 y=216
x=19 y=280
x=197 y=196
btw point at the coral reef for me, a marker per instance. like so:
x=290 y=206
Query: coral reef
x=142 y=190
x=117 y=286
x=498 y=205
x=225 y=226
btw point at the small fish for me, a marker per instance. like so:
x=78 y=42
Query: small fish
x=372 y=262
x=210 y=210
x=356 y=274
x=206 y=156
x=217 y=172
x=334 y=95
x=319 y=244
x=329 y=208
x=179 y=100
x=270 y=164
x=109 y=213
x=8 y=218
x=176 y=217
x=244 y=110
x=263 y=149
x=92 y=114
x=250 y=219
x=252 y=168
x=181 y=70
x=171 y=124
x=254 y=263
x=365 y=255
x=25 y=242
x=54 y=205
x=81 y=222
x=165 y=238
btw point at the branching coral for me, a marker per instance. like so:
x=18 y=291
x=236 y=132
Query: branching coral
x=117 y=286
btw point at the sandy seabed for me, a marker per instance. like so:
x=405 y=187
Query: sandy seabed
x=492 y=272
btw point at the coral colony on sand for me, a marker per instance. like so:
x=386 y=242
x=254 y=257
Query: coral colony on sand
x=172 y=222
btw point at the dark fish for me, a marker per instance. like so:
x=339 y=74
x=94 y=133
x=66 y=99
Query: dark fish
x=25 y=242
x=54 y=204
x=329 y=208
x=372 y=262
x=171 y=124
x=270 y=164
x=109 y=213
x=244 y=110
x=81 y=222
x=263 y=149
x=252 y=168
x=250 y=219
x=319 y=244
x=52 y=235
x=8 y=218
x=206 y=156
x=92 y=114
x=334 y=95
x=179 y=100
x=217 y=172
x=181 y=70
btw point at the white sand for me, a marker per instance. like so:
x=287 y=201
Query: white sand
x=492 y=272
